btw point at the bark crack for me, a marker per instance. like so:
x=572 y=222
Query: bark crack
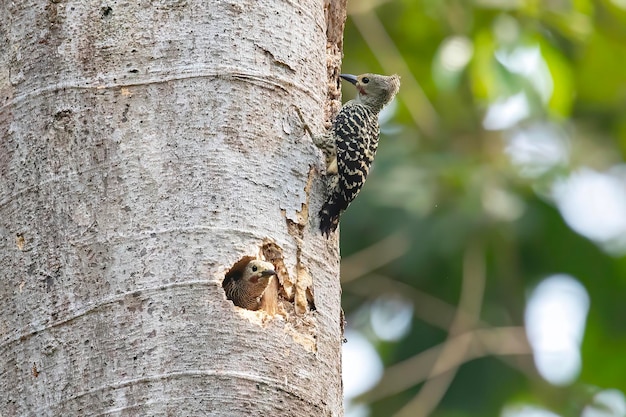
x=303 y=296
x=275 y=59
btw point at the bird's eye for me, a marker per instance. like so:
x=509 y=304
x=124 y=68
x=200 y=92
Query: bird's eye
x=254 y=268
x=365 y=80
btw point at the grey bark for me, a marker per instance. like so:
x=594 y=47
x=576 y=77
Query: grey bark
x=145 y=148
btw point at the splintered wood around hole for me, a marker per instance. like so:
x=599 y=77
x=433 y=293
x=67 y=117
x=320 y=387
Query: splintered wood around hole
x=274 y=254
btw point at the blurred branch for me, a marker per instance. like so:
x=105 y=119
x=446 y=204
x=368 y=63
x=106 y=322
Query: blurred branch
x=374 y=256
x=455 y=350
x=478 y=343
x=429 y=309
x=469 y=338
x=500 y=341
x=391 y=60
x=365 y=6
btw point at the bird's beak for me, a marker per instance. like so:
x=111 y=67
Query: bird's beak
x=349 y=77
x=268 y=272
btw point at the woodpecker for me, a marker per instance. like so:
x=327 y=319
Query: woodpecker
x=245 y=286
x=351 y=145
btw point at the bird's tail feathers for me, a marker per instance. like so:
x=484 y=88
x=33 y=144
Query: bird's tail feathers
x=329 y=217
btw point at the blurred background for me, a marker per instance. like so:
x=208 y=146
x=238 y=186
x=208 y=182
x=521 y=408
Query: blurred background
x=484 y=262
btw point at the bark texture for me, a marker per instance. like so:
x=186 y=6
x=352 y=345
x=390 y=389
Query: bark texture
x=145 y=148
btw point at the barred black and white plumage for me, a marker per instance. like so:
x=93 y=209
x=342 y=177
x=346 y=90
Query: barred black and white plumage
x=356 y=131
x=351 y=146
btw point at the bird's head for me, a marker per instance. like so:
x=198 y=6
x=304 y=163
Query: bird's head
x=258 y=272
x=374 y=90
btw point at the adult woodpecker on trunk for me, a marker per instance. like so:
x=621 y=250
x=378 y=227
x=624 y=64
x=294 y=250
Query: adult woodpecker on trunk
x=351 y=145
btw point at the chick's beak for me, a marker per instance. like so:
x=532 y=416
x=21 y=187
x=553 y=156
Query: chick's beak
x=268 y=272
x=349 y=77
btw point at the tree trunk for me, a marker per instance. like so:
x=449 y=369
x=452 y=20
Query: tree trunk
x=147 y=147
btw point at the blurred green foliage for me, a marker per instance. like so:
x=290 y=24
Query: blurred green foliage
x=451 y=184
